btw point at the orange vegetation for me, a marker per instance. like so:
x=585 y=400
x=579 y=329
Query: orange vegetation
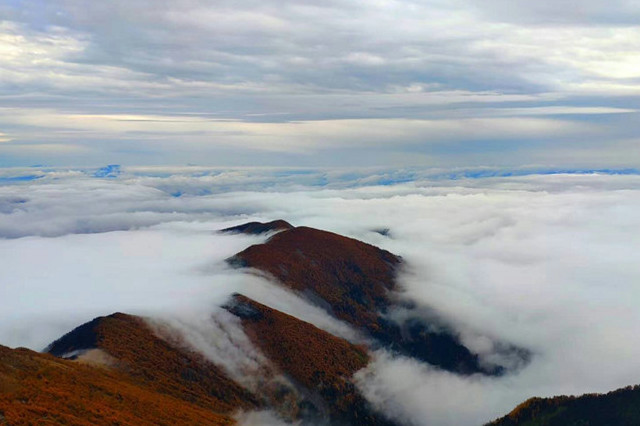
x=158 y=365
x=354 y=278
x=41 y=389
x=319 y=361
x=354 y=281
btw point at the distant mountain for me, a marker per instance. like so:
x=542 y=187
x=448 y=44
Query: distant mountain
x=617 y=408
x=257 y=228
x=111 y=171
x=355 y=282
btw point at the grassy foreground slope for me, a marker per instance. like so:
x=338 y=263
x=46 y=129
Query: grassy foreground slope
x=39 y=388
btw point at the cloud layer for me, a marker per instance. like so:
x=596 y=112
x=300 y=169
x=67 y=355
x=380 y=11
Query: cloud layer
x=547 y=262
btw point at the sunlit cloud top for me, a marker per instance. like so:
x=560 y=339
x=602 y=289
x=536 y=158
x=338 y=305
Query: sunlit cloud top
x=281 y=83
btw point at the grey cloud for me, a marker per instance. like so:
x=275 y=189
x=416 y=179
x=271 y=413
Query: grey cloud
x=282 y=63
x=588 y=12
x=295 y=47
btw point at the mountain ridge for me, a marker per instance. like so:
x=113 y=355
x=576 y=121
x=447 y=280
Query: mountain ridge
x=356 y=283
x=309 y=377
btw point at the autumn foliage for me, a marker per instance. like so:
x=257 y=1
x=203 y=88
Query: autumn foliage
x=123 y=374
x=316 y=360
x=157 y=364
x=355 y=282
x=120 y=371
x=354 y=278
x=42 y=389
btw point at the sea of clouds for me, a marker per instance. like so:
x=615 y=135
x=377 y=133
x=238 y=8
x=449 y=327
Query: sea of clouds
x=545 y=261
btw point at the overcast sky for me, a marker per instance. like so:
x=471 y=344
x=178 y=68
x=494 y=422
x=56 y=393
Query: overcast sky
x=320 y=83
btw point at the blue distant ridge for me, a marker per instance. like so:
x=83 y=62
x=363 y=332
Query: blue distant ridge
x=479 y=174
x=319 y=178
x=111 y=171
x=26 y=178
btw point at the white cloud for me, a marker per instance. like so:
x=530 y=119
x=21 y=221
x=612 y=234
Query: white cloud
x=219 y=336
x=80 y=277
x=416 y=394
x=263 y=418
x=546 y=262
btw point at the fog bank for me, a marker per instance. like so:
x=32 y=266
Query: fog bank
x=546 y=262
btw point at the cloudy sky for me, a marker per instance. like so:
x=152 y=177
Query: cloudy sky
x=320 y=83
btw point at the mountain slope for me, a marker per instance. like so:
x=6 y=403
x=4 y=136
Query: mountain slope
x=316 y=365
x=620 y=408
x=320 y=363
x=153 y=362
x=355 y=282
x=41 y=389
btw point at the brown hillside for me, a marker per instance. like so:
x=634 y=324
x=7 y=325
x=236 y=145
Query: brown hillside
x=354 y=278
x=354 y=282
x=41 y=389
x=321 y=363
x=156 y=364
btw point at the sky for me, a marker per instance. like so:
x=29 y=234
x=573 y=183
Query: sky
x=433 y=83
x=544 y=261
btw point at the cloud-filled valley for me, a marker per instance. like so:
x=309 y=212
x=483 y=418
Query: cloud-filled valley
x=547 y=262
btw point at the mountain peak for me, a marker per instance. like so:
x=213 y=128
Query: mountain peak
x=84 y=337
x=353 y=277
x=356 y=283
x=257 y=228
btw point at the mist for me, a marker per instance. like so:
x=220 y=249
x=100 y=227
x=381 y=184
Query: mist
x=544 y=262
